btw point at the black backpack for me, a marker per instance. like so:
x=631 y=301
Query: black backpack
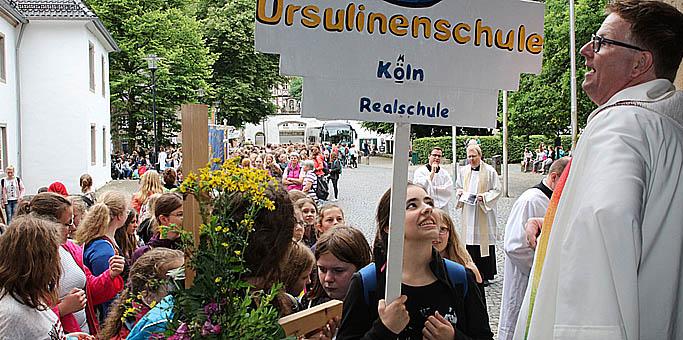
x=322 y=190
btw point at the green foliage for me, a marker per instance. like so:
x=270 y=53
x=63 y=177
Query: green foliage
x=490 y=146
x=169 y=30
x=542 y=103
x=296 y=87
x=420 y=131
x=221 y=304
x=242 y=78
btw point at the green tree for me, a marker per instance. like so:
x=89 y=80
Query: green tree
x=169 y=30
x=542 y=103
x=242 y=78
x=296 y=85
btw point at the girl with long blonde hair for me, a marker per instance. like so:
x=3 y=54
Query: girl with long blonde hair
x=150 y=184
x=144 y=290
x=449 y=245
x=97 y=234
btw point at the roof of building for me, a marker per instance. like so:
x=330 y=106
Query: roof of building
x=54 y=9
x=9 y=7
x=61 y=10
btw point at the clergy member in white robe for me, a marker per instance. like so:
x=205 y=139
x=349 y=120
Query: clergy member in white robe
x=478 y=184
x=436 y=180
x=613 y=267
x=519 y=255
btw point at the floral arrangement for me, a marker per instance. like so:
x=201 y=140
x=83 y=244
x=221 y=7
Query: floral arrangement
x=221 y=304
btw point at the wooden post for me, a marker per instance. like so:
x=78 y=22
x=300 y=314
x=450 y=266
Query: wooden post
x=195 y=132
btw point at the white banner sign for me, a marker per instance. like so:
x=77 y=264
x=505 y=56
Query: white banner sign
x=428 y=62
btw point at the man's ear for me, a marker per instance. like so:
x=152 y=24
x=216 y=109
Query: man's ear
x=643 y=63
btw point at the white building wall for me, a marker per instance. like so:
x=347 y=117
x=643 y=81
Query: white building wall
x=8 y=94
x=58 y=106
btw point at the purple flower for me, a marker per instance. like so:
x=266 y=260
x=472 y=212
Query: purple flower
x=211 y=309
x=182 y=333
x=210 y=328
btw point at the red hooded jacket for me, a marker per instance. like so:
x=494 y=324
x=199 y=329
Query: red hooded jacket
x=98 y=289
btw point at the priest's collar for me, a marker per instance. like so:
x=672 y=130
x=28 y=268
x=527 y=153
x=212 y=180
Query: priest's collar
x=544 y=188
x=476 y=168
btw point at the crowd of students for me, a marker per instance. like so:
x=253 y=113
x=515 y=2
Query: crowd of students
x=94 y=270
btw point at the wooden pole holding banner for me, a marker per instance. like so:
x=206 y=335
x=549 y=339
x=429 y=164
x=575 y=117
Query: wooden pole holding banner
x=195 y=131
x=397 y=212
x=505 y=144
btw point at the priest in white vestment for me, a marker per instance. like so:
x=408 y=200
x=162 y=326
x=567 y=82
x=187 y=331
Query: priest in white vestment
x=477 y=191
x=519 y=255
x=435 y=180
x=613 y=267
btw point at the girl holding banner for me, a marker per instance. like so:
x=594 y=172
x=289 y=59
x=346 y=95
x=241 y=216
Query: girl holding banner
x=440 y=299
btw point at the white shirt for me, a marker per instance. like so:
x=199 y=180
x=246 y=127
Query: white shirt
x=162 y=160
x=613 y=267
x=72 y=277
x=518 y=257
x=440 y=188
x=19 y=321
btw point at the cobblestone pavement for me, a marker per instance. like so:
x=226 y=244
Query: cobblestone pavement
x=360 y=189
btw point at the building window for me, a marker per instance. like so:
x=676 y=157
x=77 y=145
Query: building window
x=93 y=145
x=104 y=146
x=91 y=64
x=104 y=78
x=3 y=67
x=3 y=144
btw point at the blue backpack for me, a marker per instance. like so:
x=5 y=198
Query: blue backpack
x=456 y=275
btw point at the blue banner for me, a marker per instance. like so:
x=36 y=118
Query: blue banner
x=216 y=147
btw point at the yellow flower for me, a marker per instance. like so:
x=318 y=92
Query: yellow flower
x=224 y=244
x=238 y=253
x=218 y=279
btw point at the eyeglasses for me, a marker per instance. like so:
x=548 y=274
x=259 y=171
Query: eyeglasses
x=597 y=42
x=436 y=155
x=70 y=223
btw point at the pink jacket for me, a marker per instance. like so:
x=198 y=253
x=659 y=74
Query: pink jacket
x=98 y=289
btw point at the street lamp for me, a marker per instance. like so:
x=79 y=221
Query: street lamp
x=152 y=60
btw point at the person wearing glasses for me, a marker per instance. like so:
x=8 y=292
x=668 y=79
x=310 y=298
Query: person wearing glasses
x=519 y=253
x=435 y=180
x=477 y=192
x=79 y=290
x=614 y=258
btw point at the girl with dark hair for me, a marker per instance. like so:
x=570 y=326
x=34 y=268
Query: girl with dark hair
x=339 y=252
x=168 y=211
x=432 y=305
x=79 y=290
x=272 y=235
x=127 y=240
x=297 y=272
x=170 y=179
